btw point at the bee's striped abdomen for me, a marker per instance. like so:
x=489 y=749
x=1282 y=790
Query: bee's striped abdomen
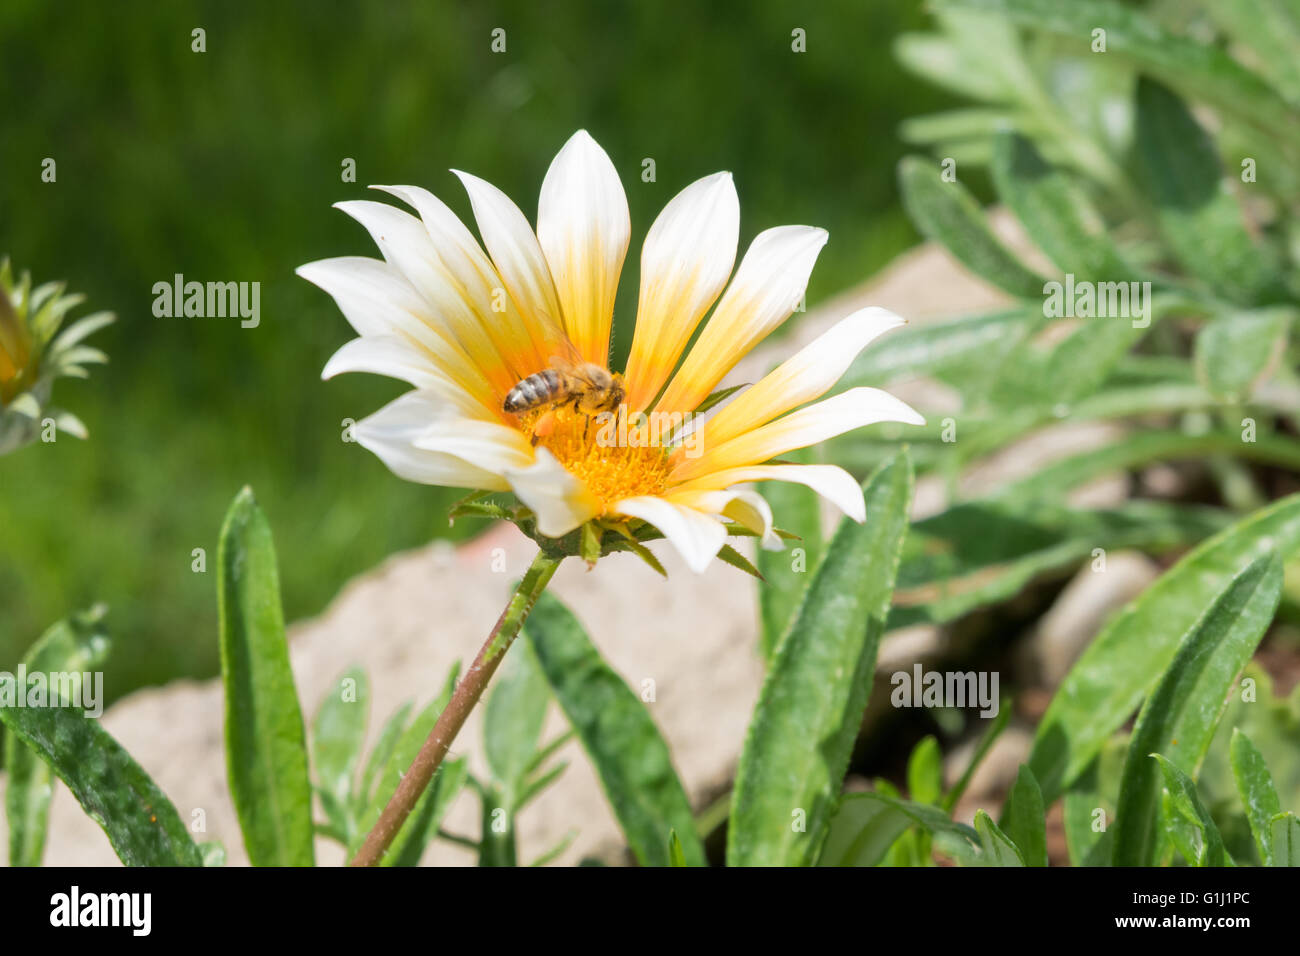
x=545 y=386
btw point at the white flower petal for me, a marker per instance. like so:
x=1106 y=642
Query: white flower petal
x=807 y=375
x=767 y=287
x=387 y=355
x=743 y=506
x=694 y=534
x=815 y=423
x=830 y=481
x=685 y=261
x=584 y=227
x=374 y=297
x=397 y=358
x=560 y=501
x=391 y=432
x=488 y=445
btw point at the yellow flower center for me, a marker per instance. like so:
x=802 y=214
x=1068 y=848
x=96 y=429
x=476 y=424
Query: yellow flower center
x=595 y=450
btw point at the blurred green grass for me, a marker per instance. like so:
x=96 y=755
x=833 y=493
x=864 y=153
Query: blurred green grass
x=222 y=166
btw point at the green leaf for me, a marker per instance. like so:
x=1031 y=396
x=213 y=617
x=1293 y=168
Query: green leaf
x=1051 y=481
x=616 y=730
x=1200 y=220
x=1187 y=822
x=718 y=397
x=1198 y=70
x=213 y=853
x=1055 y=212
x=1258 y=795
x=1271 y=28
x=142 y=825
x=978 y=123
x=1180 y=716
x=981 y=552
x=1286 y=840
x=402 y=755
x=866 y=825
x=337 y=735
x=925 y=772
x=675 y=855
x=957 y=351
x=538 y=784
x=1026 y=818
x=812 y=702
x=512 y=721
x=786 y=573
x=990 y=67
x=75 y=645
x=1000 y=721
x=422 y=825
x=589 y=543
x=1235 y=352
x=947 y=213
x=266 y=749
x=559 y=847
x=628 y=542
x=729 y=555
x=1088 y=835
x=996 y=848
x=380 y=754
x=497 y=845
x=1112 y=676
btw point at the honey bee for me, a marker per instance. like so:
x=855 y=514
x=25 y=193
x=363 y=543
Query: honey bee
x=587 y=387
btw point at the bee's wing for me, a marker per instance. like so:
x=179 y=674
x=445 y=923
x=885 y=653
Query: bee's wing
x=568 y=357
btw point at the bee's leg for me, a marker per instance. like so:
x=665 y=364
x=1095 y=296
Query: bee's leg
x=586 y=423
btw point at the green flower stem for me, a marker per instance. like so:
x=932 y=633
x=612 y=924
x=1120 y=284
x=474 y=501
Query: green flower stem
x=453 y=716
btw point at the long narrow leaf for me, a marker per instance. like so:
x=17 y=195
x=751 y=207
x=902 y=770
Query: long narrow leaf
x=1179 y=718
x=266 y=748
x=1112 y=676
x=74 y=646
x=1258 y=795
x=811 y=705
x=142 y=825
x=615 y=729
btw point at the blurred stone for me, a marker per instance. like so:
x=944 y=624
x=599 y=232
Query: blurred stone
x=1079 y=612
x=996 y=772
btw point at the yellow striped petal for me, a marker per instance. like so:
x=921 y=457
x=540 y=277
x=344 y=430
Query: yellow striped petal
x=685 y=261
x=855 y=408
x=807 y=375
x=519 y=260
x=767 y=287
x=584 y=227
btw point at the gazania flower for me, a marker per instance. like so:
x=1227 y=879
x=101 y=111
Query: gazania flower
x=32 y=357
x=465 y=327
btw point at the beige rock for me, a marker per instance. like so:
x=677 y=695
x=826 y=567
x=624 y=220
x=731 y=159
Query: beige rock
x=1090 y=598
